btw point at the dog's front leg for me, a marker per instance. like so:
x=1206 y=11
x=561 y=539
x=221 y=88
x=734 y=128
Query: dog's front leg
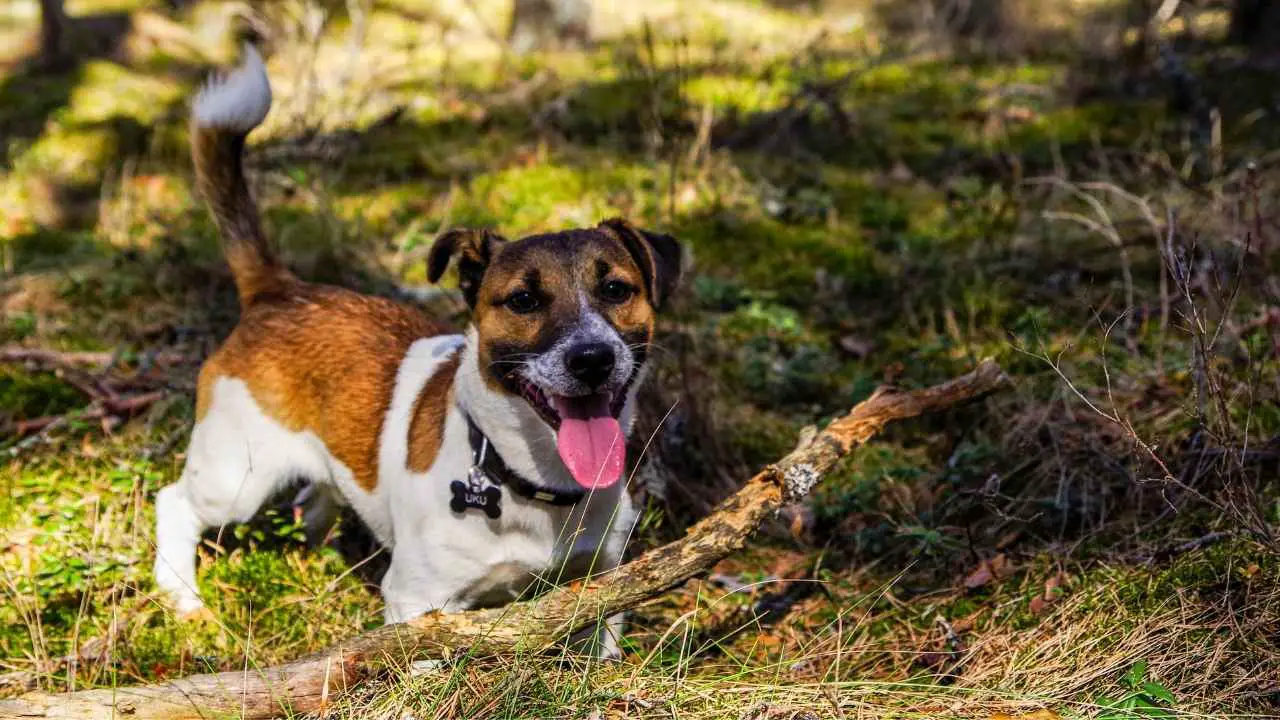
x=608 y=639
x=609 y=645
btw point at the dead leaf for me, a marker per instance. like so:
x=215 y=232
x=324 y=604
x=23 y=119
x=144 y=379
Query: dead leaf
x=1038 y=604
x=1052 y=584
x=987 y=571
x=998 y=564
x=979 y=577
x=1037 y=715
x=1052 y=591
x=967 y=623
x=87 y=447
x=1019 y=113
x=800 y=521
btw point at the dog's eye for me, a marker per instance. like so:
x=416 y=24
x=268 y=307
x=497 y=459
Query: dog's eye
x=523 y=302
x=616 y=291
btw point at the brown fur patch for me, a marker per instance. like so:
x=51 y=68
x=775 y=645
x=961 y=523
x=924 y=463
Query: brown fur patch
x=217 y=155
x=322 y=359
x=426 y=427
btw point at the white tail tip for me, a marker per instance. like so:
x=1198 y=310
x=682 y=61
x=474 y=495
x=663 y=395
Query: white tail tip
x=238 y=100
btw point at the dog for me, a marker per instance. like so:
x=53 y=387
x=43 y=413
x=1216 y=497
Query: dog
x=487 y=461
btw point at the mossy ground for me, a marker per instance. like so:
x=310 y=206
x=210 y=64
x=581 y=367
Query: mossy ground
x=858 y=212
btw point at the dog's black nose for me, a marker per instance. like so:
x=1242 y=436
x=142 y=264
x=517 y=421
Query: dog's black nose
x=591 y=363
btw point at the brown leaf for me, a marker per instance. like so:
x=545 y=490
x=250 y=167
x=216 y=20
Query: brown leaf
x=1037 y=715
x=800 y=521
x=979 y=577
x=987 y=571
x=967 y=623
x=87 y=448
x=1038 y=604
x=998 y=564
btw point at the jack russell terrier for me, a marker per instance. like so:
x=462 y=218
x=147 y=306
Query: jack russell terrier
x=486 y=461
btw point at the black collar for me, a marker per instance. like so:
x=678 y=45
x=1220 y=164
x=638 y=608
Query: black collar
x=487 y=458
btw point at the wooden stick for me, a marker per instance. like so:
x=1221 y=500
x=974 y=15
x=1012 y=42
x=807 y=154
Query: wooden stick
x=106 y=407
x=306 y=685
x=55 y=358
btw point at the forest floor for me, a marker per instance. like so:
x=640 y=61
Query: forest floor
x=864 y=203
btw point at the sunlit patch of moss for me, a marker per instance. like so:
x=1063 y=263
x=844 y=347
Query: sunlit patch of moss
x=783 y=259
x=549 y=195
x=1108 y=122
x=108 y=90
x=388 y=208
x=109 y=111
x=72 y=155
x=745 y=94
x=914 y=86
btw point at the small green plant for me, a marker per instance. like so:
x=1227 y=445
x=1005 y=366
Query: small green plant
x=1146 y=699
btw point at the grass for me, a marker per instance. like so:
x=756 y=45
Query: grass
x=859 y=210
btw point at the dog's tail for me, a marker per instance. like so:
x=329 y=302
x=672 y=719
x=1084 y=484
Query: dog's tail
x=225 y=111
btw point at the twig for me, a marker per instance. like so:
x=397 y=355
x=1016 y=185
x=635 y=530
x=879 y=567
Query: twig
x=98 y=360
x=107 y=407
x=1164 y=555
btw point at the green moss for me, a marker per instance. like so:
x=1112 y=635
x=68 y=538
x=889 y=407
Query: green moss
x=744 y=94
x=32 y=395
x=1107 y=122
x=107 y=90
x=770 y=256
x=856 y=487
x=550 y=195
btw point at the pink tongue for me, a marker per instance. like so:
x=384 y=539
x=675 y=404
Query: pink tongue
x=590 y=441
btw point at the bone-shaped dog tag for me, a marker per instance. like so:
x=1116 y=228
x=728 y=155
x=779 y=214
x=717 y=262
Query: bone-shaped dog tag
x=475 y=495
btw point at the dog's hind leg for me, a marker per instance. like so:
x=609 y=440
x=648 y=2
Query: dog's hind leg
x=178 y=530
x=237 y=460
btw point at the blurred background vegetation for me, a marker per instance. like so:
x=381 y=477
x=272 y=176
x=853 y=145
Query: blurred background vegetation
x=873 y=191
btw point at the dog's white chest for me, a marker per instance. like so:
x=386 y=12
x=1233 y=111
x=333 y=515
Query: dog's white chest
x=451 y=560
x=532 y=544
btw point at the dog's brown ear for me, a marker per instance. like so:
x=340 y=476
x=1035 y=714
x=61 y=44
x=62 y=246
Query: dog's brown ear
x=474 y=249
x=658 y=255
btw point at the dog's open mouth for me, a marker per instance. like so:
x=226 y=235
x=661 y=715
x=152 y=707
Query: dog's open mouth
x=588 y=434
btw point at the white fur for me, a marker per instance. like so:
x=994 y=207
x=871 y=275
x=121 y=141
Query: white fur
x=238 y=458
x=550 y=373
x=440 y=559
x=238 y=101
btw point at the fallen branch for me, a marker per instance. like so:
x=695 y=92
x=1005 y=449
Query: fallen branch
x=108 y=407
x=55 y=358
x=311 y=683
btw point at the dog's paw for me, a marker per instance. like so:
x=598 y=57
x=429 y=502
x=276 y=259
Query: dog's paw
x=610 y=655
x=607 y=648
x=197 y=616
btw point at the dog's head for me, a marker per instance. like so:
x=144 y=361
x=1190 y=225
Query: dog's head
x=564 y=322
